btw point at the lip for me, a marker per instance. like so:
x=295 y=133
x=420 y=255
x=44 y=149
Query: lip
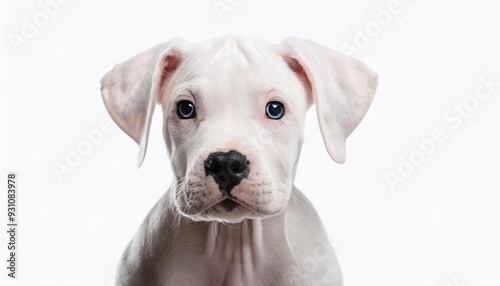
x=229 y=204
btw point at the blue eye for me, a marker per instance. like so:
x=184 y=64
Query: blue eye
x=275 y=110
x=185 y=109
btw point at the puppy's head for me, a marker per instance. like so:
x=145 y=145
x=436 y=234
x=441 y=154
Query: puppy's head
x=233 y=111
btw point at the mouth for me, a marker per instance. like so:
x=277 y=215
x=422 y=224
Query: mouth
x=227 y=209
x=229 y=204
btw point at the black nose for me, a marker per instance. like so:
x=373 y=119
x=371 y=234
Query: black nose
x=228 y=169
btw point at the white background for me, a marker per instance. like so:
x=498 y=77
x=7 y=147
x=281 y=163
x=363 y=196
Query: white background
x=438 y=226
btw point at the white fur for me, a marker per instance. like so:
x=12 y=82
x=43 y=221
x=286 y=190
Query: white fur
x=275 y=236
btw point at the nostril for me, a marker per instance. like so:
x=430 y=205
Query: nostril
x=209 y=163
x=235 y=167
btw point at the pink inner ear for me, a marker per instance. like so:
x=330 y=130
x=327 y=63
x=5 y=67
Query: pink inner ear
x=296 y=67
x=169 y=65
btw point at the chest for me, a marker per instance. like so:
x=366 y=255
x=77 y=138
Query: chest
x=232 y=255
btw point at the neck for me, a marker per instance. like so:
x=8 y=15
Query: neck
x=236 y=250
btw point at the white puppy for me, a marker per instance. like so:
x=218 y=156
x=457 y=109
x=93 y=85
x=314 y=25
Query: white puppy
x=233 y=117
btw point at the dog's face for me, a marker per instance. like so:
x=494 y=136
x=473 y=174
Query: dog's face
x=234 y=112
x=219 y=109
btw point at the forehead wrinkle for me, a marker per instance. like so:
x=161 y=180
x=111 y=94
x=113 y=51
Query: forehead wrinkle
x=230 y=54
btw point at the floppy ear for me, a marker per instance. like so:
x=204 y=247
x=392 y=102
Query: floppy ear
x=131 y=88
x=342 y=89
